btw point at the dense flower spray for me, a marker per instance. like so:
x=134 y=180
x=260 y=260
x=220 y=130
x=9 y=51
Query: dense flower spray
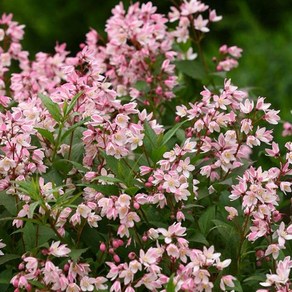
x=112 y=181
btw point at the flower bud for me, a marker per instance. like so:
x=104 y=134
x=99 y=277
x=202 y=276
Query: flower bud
x=102 y=247
x=116 y=258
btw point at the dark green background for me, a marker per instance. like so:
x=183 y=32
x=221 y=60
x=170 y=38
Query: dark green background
x=262 y=28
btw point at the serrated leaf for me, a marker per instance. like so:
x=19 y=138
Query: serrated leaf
x=52 y=107
x=46 y=134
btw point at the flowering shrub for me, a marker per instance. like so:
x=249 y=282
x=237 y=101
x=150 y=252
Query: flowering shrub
x=134 y=165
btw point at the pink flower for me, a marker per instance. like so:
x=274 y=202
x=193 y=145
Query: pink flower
x=87 y=283
x=274 y=151
x=283 y=235
x=227 y=281
x=201 y=24
x=1 y=246
x=274 y=250
x=175 y=230
x=232 y=212
x=59 y=250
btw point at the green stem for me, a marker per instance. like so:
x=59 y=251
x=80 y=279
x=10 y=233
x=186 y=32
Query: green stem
x=58 y=141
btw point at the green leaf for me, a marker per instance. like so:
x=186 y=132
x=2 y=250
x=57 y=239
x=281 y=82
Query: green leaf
x=108 y=179
x=72 y=128
x=181 y=135
x=172 y=132
x=45 y=233
x=132 y=191
x=237 y=286
x=76 y=253
x=8 y=257
x=77 y=165
x=5 y=278
x=29 y=235
x=192 y=69
x=199 y=237
x=53 y=176
x=32 y=207
x=205 y=221
x=170 y=287
x=72 y=103
x=142 y=85
x=224 y=228
x=37 y=284
x=46 y=134
x=52 y=107
x=9 y=203
x=150 y=138
x=255 y=278
x=62 y=166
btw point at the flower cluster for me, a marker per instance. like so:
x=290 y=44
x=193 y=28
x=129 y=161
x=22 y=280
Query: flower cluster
x=228 y=58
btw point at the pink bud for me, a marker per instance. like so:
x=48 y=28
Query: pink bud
x=136 y=205
x=144 y=238
x=131 y=255
x=116 y=258
x=102 y=247
x=277 y=216
x=177 y=119
x=259 y=263
x=148 y=184
x=28 y=287
x=111 y=251
x=189 y=135
x=115 y=243
x=121 y=242
x=21 y=266
x=260 y=253
x=45 y=252
x=180 y=216
x=158 y=90
x=15 y=283
x=66 y=267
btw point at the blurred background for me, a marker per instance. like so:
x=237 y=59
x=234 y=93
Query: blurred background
x=262 y=28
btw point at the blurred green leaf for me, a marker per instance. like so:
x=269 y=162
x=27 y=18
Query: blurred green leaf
x=52 y=107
